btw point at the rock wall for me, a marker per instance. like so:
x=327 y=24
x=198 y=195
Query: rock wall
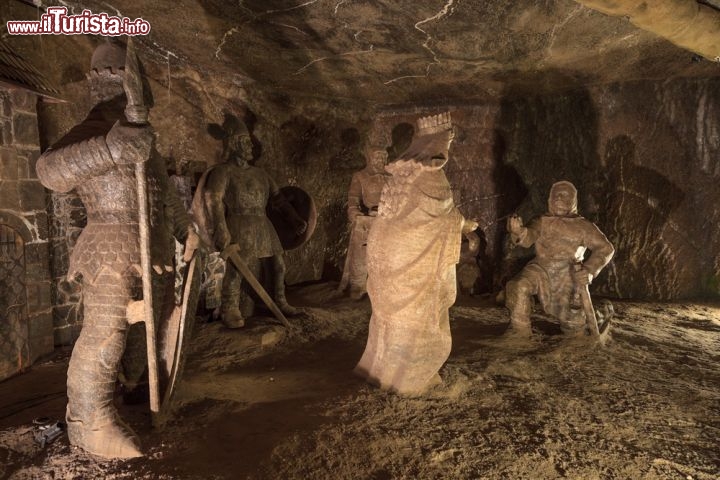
x=26 y=328
x=660 y=151
x=644 y=157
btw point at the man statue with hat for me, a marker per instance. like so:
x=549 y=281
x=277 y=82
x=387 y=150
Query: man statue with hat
x=363 y=200
x=235 y=196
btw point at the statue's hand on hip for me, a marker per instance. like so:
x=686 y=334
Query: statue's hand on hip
x=582 y=276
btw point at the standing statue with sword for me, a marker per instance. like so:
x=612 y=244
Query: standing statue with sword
x=559 y=272
x=250 y=221
x=128 y=281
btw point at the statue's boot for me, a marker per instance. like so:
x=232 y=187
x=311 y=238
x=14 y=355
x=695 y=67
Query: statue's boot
x=279 y=283
x=93 y=423
x=281 y=300
x=356 y=293
x=230 y=298
x=520 y=306
x=285 y=307
x=232 y=318
x=358 y=274
x=111 y=438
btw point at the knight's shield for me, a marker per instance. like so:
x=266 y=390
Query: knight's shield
x=305 y=208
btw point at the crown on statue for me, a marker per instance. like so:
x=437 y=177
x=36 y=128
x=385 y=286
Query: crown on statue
x=434 y=123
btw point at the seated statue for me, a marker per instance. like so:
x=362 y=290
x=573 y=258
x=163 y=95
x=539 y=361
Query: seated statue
x=363 y=200
x=559 y=270
x=413 y=247
x=235 y=196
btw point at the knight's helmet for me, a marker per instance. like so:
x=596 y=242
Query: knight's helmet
x=430 y=145
x=233 y=129
x=107 y=69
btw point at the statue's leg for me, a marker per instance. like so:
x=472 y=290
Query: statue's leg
x=278 y=268
x=247 y=293
x=358 y=270
x=230 y=307
x=568 y=311
x=93 y=422
x=518 y=299
x=134 y=361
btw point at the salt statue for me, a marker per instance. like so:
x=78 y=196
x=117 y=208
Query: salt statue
x=559 y=274
x=98 y=159
x=363 y=200
x=235 y=196
x=413 y=248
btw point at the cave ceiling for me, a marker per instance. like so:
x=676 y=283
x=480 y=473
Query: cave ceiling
x=403 y=51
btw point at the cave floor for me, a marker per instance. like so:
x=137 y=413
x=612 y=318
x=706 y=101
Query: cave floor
x=257 y=403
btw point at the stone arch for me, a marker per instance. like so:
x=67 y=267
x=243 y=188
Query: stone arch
x=16 y=223
x=14 y=332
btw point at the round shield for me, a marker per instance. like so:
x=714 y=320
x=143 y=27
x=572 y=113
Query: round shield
x=285 y=228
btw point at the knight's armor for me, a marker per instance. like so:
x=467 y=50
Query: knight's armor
x=237 y=195
x=561 y=241
x=107 y=257
x=81 y=160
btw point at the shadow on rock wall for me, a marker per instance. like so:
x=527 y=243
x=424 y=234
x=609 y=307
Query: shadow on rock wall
x=401 y=137
x=662 y=148
x=635 y=213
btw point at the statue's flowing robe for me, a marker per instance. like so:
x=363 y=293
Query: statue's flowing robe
x=413 y=247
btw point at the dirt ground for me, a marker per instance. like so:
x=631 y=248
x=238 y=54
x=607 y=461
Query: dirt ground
x=260 y=404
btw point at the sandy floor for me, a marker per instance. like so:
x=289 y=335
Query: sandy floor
x=259 y=404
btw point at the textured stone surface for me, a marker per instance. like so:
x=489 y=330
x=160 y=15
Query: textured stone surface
x=400 y=51
x=32 y=196
x=542 y=89
x=22 y=212
x=25 y=129
x=8 y=163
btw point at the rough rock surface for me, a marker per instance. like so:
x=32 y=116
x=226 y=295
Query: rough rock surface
x=645 y=406
x=646 y=157
x=544 y=88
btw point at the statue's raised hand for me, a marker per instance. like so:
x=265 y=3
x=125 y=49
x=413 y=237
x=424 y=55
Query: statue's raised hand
x=515 y=224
